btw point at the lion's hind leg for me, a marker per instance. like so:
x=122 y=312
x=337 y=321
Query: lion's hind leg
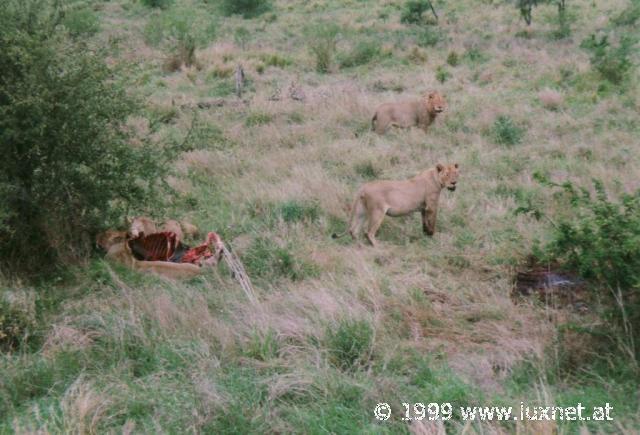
x=358 y=215
x=375 y=220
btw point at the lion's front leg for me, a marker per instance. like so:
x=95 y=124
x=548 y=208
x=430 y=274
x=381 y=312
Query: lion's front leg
x=428 y=221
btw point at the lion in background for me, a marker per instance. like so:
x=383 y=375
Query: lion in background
x=377 y=199
x=420 y=112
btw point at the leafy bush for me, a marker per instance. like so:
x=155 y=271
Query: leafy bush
x=475 y=55
x=453 y=58
x=246 y=8
x=17 y=317
x=180 y=24
x=526 y=7
x=274 y=59
x=162 y=4
x=322 y=44
x=428 y=37
x=296 y=211
x=506 y=132
x=362 y=53
x=442 y=75
x=184 y=53
x=600 y=240
x=564 y=25
x=413 y=11
x=80 y=22
x=367 y=170
x=241 y=36
x=350 y=343
x=629 y=16
x=612 y=63
x=68 y=167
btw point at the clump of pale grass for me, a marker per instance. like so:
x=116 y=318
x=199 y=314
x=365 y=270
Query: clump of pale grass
x=551 y=99
x=83 y=407
x=64 y=337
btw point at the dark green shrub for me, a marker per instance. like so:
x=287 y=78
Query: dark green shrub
x=246 y=8
x=350 y=343
x=612 y=63
x=180 y=25
x=362 y=53
x=68 y=168
x=564 y=25
x=475 y=55
x=241 y=36
x=453 y=59
x=413 y=11
x=80 y=22
x=629 y=16
x=17 y=318
x=367 y=170
x=442 y=75
x=600 y=240
x=506 y=132
x=428 y=37
x=526 y=7
x=161 y=4
x=184 y=53
x=296 y=211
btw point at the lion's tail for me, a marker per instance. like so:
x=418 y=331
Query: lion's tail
x=373 y=121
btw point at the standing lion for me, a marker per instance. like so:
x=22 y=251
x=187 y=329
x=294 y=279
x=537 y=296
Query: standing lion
x=421 y=112
x=378 y=199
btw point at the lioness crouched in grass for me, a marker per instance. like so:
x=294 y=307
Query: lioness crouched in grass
x=376 y=199
x=421 y=112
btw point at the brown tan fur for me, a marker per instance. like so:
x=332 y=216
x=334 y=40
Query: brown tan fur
x=142 y=225
x=174 y=227
x=420 y=112
x=108 y=238
x=377 y=199
x=189 y=229
x=121 y=253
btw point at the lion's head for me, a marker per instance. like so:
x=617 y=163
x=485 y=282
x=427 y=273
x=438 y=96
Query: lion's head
x=435 y=103
x=448 y=175
x=109 y=238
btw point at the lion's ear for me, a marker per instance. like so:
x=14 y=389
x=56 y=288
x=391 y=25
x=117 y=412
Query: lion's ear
x=456 y=165
x=439 y=167
x=431 y=95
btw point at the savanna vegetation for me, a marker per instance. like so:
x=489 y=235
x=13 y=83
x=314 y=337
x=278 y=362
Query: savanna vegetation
x=120 y=107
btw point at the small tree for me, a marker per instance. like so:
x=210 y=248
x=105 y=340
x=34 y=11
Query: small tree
x=526 y=8
x=246 y=8
x=599 y=238
x=612 y=62
x=323 y=39
x=414 y=10
x=68 y=168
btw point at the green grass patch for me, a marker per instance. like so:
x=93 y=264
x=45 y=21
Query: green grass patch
x=349 y=343
x=268 y=261
x=258 y=118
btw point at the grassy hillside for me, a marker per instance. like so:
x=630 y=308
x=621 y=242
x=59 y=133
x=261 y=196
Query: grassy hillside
x=339 y=326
